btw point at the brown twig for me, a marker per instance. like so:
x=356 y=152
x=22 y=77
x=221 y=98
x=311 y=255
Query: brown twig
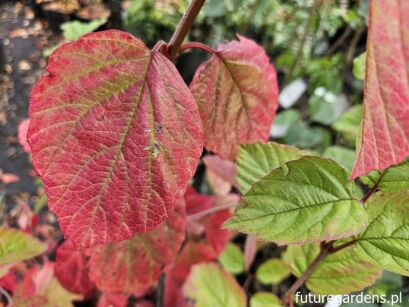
x=333 y=249
x=324 y=251
x=183 y=27
x=354 y=43
x=160 y=293
x=340 y=41
x=373 y=189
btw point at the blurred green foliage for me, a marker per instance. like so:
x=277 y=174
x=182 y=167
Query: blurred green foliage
x=315 y=40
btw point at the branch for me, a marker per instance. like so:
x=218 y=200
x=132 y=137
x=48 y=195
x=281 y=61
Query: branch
x=183 y=27
x=326 y=249
x=160 y=291
x=196 y=45
x=201 y=214
x=333 y=249
x=288 y=296
x=373 y=189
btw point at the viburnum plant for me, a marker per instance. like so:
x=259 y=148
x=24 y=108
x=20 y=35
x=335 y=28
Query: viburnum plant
x=116 y=136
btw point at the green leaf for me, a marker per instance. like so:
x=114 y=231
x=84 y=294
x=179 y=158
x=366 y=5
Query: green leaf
x=325 y=107
x=358 y=69
x=342 y=155
x=301 y=135
x=16 y=246
x=386 y=239
x=264 y=299
x=339 y=273
x=73 y=30
x=388 y=282
x=393 y=179
x=307 y=200
x=208 y=285
x=283 y=121
x=57 y=295
x=232 y=259
x=349 y=123
x=273 y=271
x=258 y=159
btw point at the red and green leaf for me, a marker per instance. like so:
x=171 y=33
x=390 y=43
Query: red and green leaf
x=192 y=253
x=115 y=134
x=385 y=128
x=236 y=90
x=133 y=266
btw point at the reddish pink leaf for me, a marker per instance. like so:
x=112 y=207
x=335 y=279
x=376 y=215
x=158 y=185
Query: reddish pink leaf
x=236 y=91
x=115 y=134
x=144 y=303
x=7 y=178
x=222 y=168
x=71 y=269
x=192 y=253
x=112 y=300
x=22 y=134
x=133 y=266
x=201 y=218
x=385 y=126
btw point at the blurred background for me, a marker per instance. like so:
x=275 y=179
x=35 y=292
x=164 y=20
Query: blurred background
x=317 y=47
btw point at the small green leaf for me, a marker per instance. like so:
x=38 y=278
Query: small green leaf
x=258 y=159
x=16 y=246
x=57 y=295
x=283 y=122
x=359 y=66
x=73 y=30
x=342 y=155
x=307 y=200
x=301 y=135
x=325 y=107
x=232 y=259
x=339 y=273
x=386 y=239
x=209 y=286
x=273 y=271
x=393 y=179
x=349 y=123
x=264 y=299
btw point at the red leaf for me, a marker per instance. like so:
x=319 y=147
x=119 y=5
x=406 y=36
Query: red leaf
x=217 y=237
x=192 y=253
x=22 y=134
x=133 y=266
x=196 y=202
x=8 y=281
x=225 y=169
x=115 y=134
x=236 y=91
x=385 y=126
x=71 y=269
